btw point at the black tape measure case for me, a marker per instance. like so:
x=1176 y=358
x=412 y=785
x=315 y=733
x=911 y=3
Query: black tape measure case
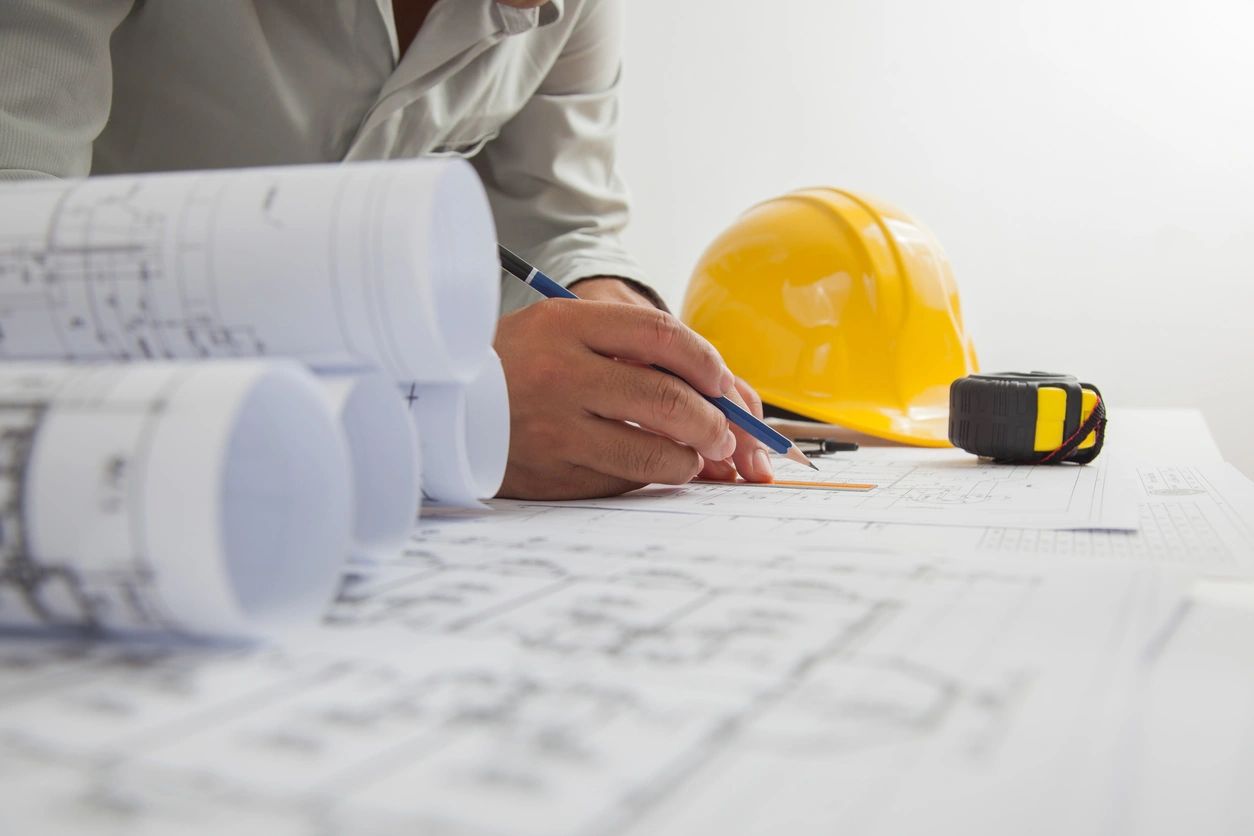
x=1032 y=418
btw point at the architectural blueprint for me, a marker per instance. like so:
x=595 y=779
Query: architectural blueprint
x=584 y=670
x=464 y=428
x=938 y=487
x=147 y=498
x=485 y=684
x=956 y=646
x=393 y=264
x=343 y=267
x=384 y=456
x=1208 y=527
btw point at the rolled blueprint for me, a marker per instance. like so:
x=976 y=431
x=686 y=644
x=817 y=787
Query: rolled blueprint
x=169 y=497
x=392 y=263
x=383 y=458
x=464 y=434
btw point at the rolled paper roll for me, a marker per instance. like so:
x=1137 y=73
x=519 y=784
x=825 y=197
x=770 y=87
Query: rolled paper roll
x=388 y=263
x=383 y=457
x=207 y=498
x=464 y=434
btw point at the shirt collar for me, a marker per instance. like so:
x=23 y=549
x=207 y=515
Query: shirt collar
x=466 y=29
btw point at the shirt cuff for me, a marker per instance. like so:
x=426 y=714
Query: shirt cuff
x=639 y=287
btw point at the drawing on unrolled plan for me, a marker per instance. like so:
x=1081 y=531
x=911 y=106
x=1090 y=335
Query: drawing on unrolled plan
x=939 y=487
x=494 y=681
x=1212 y=531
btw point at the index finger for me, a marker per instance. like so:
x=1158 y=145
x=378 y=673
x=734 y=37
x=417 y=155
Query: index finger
x=645 y=335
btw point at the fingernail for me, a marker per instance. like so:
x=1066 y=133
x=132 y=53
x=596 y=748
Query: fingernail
x=762 y=465
x=729 y=443
x=727 y=382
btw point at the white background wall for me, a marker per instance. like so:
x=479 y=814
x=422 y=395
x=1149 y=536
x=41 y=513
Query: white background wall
x=1088 y=166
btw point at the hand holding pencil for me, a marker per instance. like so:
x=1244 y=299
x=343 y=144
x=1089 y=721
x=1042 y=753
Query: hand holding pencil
x=581 y=375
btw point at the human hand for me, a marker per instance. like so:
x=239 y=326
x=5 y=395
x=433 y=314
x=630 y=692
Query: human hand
x=577 y=372
x=751 y=460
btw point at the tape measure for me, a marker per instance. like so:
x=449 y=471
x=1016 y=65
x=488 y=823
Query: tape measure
x=1032 y=418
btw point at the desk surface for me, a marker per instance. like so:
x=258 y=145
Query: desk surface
x=541 y=671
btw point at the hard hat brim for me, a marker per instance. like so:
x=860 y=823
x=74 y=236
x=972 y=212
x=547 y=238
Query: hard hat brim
x=926 y=424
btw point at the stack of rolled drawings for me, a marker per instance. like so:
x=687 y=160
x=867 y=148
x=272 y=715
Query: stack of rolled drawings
x=218 y=387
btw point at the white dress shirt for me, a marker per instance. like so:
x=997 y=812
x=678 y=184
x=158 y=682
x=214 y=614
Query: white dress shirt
x=530 y=95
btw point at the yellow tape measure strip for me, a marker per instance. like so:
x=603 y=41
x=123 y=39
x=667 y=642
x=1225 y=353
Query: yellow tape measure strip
x=860 y=487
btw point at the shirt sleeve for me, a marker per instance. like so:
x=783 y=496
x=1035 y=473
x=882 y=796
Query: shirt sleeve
x=57 y=83
x=551 y=173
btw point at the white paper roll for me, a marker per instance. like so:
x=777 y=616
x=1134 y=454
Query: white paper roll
x=392 y=263
x=383 y=456
x=205 y=498
x=464 y=434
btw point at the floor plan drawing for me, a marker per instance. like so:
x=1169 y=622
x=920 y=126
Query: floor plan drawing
x=937 y=487
x=494 y=682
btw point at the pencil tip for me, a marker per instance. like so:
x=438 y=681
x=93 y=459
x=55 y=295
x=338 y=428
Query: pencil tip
x=800 y=457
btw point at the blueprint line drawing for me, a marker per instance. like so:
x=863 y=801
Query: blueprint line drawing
x=1210 y=531
x=935 y=487
x=21 y=577
x=492 y=680
x=93 y=535
x=334 y=265
x=345 y=268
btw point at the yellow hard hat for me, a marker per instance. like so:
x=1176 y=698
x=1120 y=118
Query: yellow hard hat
x=838 y=308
